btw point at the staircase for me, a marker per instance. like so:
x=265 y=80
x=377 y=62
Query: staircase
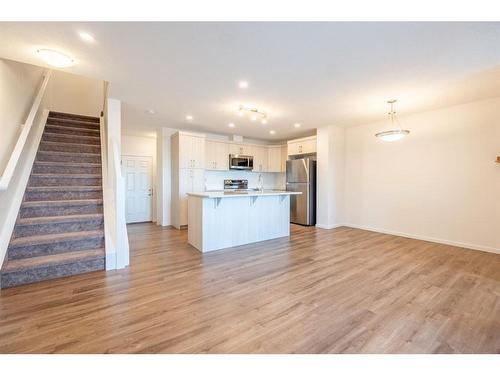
x=60 y=229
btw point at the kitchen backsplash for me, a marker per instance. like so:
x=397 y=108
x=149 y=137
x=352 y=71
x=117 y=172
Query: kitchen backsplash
x=214 y=180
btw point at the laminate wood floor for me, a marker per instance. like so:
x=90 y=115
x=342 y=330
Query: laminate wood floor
x=319 y=291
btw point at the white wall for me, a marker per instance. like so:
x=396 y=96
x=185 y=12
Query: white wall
x=18 y=86
x=164 y=176
x=330 y=176
x=440 y=183
x=133 y=145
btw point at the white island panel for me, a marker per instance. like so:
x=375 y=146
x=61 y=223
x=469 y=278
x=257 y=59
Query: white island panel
x=218 y=222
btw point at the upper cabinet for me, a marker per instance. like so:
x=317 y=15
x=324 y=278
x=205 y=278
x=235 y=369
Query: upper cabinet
x=276 y=158
x=260 y=158
x=240 y=149
x=302 y=146
x=191 y=150
x=216 y=155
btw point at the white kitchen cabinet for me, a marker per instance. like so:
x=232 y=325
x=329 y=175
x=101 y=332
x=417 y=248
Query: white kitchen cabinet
x=275 y=159
x=240 y=149
x=216 y=155
x=191 y=150
x=284 y=157
x=302 y=146
x=188 y=172
x=260 y=158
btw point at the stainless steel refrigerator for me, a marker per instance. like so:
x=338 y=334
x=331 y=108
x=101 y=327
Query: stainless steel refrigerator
x=301 y=177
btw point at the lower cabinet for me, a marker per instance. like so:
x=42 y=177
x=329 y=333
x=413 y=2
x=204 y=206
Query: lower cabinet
x=190 y=180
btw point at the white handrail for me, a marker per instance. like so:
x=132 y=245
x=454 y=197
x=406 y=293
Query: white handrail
x=21 y=141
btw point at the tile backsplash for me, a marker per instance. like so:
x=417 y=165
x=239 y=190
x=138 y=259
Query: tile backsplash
x=214 y=180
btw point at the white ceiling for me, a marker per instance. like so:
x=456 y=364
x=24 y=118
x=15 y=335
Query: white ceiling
x=316 y=74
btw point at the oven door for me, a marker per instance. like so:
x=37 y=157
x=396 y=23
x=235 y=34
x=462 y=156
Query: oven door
x=240 y=162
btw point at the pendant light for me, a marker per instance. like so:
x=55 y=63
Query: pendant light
x=396 y=133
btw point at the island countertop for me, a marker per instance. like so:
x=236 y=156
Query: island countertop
x=256 y=193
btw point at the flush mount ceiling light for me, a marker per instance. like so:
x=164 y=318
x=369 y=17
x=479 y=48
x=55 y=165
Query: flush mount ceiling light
x=272 y=132
x=86 y=37
x=231 y=125
x=243 y=84
x=55 y=58
x=296 y=125
x=396 y=133
x=189 y=117
x=255 y=113
x=151 y=111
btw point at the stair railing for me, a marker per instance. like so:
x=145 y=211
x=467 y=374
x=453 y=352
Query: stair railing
x=23 y=136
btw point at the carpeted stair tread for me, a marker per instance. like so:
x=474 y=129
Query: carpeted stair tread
x=67 y=175
x=65 y=153
x=58 y=219
x=51 y=260
x=54 y=238
x=63 y=188
x=69 y=144
x=66 y=202
x=71 y=137
x=67 y=164
x=53 y=128
x=73 y=116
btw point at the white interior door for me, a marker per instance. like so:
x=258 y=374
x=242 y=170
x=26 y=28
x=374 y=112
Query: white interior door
x=138 y=173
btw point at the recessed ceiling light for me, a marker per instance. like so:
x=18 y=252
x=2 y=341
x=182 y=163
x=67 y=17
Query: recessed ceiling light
x=86 y=37
x=297 y=125
x=151 y=111
x=231 y=125
x=254 y=118
x=243 y=84
x=189 y=117
x=272 y=132
x=54 y=58
x=264 y=121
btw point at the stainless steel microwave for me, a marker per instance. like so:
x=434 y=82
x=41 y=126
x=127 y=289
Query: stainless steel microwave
x=240 y=162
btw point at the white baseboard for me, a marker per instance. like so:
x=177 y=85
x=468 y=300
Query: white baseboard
x=328 y=226
x=425 y=238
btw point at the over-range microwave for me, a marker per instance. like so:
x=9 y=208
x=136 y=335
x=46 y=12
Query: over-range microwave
x=240 y=162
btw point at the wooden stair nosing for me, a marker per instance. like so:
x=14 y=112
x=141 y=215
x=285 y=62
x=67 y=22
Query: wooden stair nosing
x=52 y=260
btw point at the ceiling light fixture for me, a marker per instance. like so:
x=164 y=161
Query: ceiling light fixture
x=255 y=113
x=151 y=111
x=243 y=84
x=55 y=58
x=231 y=125
x=189 y=117
x=396 y=133
x=86 y=37
x=272 y=132
x=296 y=125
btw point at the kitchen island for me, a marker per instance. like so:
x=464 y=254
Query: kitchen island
x=217 y=220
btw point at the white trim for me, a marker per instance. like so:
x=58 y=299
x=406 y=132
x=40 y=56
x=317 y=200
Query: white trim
x=430 y=239
x=328 y=226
